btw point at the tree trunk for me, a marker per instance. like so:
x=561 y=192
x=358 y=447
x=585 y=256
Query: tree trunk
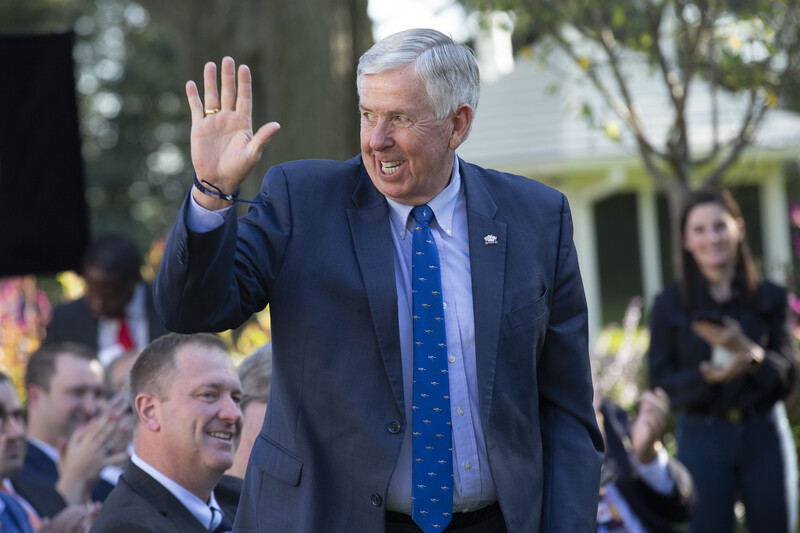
x=676 y=199
x=302 y=54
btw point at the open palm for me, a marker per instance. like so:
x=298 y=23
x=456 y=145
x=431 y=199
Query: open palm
x=224 y=147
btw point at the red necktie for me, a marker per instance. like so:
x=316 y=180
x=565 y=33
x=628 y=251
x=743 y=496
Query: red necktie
x=124 y=337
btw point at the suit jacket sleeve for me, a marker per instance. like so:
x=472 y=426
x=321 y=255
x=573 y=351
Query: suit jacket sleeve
x=571 y=441
x=216 y=280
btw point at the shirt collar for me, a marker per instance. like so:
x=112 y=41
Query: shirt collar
x=443 y=206
x=200 y=509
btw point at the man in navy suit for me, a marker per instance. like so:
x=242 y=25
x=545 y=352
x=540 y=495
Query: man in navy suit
x=186 y=393
x=66 y=412
x=328 y=246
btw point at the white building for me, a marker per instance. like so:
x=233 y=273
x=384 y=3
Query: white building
x=528 y=123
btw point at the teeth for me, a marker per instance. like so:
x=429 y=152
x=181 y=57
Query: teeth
x=390 y=167
x=224 y=436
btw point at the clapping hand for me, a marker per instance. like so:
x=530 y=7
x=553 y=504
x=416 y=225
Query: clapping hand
x=650 y=424
x=92 y=447
x=728 y=335
x=224 y=148
x=72 y=519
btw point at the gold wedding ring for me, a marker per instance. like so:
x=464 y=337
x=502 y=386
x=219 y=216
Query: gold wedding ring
x=207 y=112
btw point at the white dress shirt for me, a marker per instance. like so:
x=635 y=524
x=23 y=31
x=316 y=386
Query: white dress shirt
x=200 y=509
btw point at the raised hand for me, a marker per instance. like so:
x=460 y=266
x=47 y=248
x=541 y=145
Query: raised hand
x=224 y=147
x=650 y=424
x=92 y=447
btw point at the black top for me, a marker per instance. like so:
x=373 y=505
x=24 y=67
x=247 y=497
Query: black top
x=676 y=352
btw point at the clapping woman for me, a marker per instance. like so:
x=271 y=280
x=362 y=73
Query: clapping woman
x=721 y=348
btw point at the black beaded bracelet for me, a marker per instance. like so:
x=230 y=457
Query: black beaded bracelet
x=217 y=193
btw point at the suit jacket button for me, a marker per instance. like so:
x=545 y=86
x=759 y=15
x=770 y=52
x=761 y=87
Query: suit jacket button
x=377 y=501
x=393 y=427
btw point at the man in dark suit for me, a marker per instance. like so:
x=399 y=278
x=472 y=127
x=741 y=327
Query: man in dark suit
x=38 y=500
x=117 y=313
x=329 y=246
x=186 y=394
x=66 y=412
x=643 y=488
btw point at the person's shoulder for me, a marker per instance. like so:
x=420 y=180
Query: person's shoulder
x=125 y=510
x=670 y=290
x=67 y=308
x=771 y=295
x=514 y=182
x=314 y=178
x=669 y=296
x=319 y=168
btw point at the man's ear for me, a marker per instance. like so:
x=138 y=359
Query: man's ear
x=462 y=121
x=148 y=408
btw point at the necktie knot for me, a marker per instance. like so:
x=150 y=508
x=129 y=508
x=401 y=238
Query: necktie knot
x=422 y=214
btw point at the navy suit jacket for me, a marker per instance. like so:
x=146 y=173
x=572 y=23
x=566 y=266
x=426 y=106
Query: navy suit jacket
x=39 y=467
x=74 y=322
x=42 y=496
x=139 y=503
x=319 y=251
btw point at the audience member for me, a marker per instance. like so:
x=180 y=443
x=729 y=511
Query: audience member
x=118 y=373
x=37 y=501
x=117 y=313
x=642 y=488
x=255 y=373
x=721 y=347
x=117 y=388
x=186 y=395
x=70 y=438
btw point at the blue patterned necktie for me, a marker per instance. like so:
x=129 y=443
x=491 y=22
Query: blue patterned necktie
x=432 y=471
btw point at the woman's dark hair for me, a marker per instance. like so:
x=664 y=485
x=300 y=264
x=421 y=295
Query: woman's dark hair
x=745 y=274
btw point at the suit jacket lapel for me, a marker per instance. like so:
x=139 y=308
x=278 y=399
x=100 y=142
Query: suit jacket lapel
x=369 y=226
x=487 y=257
x=161 y=499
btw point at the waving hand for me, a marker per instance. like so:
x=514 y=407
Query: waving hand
x=224 y=147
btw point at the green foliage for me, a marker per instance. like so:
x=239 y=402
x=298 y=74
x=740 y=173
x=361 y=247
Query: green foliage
x=733 y=45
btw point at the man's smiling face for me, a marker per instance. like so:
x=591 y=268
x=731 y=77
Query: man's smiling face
x=408 y=153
